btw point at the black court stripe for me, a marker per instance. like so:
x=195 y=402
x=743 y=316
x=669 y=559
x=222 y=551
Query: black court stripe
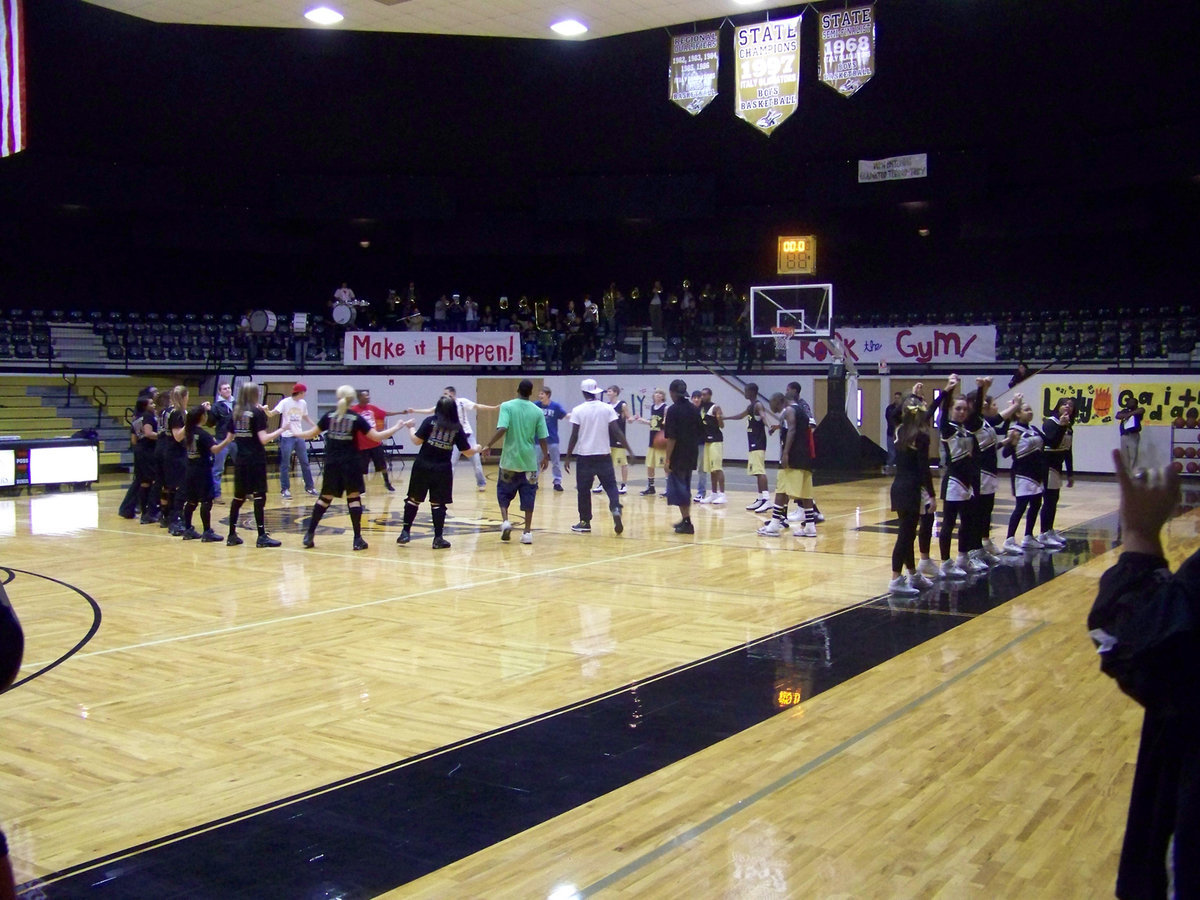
x=83 y=641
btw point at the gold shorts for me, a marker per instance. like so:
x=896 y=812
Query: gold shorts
x=620 y=456
x=756 y=462
x=714 y=457
x=795 y=483
x=655 y=458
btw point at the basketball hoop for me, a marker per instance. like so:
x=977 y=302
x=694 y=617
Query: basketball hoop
x=782 y=334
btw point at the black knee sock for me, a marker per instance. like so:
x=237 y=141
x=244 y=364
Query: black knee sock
x=235 y=509
x=206 y=514
x=410 y=513
x=318 y=511
x=439 y=520
x=188 y=509
x=355 y=506
x=260 y=509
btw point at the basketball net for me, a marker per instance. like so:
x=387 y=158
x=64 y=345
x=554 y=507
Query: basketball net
x=783 y=334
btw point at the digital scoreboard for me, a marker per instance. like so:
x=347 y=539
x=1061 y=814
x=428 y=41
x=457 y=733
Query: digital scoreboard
x=797 y=255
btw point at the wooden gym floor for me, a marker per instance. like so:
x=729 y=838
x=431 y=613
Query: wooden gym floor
x=649 y=715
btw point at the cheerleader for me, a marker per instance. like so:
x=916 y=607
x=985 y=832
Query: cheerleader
x=432 y=471
x=172 y=461
x=250 y=466
x=145 y=428
x=959 y=500
x=654 y=455
x=1059 y=435
x=343 y=472
x=912 y=495
x=990 y=424
x=200 y=447
x=1025 y=443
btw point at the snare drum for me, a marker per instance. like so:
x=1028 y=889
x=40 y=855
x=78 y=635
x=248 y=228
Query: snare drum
x=345 y=313
x=262 y=321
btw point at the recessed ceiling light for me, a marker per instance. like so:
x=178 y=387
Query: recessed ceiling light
x=323 y=15
x=569 y=28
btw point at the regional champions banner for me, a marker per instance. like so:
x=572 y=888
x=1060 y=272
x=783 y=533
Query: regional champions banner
x=767 y=72
x=693 y=76
x=894 y=168
x=847 y=59
x=430 y=348
x=921 y=344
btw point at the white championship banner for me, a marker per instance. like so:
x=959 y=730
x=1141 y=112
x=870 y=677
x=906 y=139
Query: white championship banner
x=847 y=59
x=918 y=344
x=694 y=63
x=894 y=168
x=767 y=73
x=431 y=348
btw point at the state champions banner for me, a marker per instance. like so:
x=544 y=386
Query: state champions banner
x=431 y=348
x=767 y=72
x=919 y=344
x=847 y=58
x=693 y=75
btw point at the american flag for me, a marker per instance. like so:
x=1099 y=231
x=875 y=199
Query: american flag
x=12 y=77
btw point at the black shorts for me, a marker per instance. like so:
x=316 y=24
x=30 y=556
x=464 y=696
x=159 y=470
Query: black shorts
x=438 y=483
x=198 y=483
x=341 y=477
x=145 y=469
x=174 y=470
x=249 y=477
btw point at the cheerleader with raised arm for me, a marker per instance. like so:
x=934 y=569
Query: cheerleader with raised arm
x=343 y=472
x=1025 y=443
x=912 y=495
x=1060 y=467
x=200 y=447
x=961 y=468
x=250 y=467
x=988 y=426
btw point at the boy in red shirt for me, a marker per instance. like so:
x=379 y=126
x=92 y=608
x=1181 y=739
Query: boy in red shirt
x=372 y=451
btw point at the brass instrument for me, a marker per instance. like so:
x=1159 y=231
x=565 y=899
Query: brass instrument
x=541 y=314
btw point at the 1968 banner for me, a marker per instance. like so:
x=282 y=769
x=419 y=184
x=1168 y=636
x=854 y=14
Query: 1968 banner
x=430 y=348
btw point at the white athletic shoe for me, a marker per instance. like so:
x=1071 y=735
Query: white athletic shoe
x=598 y=489
x=1012 y=548
x=990 y=546
x=919 y=581
x=771 y=529
x=718 y=498
x=1051 y=540
x=622 y=488
x=707 y=498
x=699 y=498
x=900 y=585
x=928 y=568
x=950 y=570
x=809 y=530
x=972 y=564
x=527 y=537
x=796 y=515
x=759 y=503
x=820 y=517
x=1032 y=543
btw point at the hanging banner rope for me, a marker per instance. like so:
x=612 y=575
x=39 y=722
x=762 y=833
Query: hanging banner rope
x=847 y=59
x=768 y=72
x=693 y=76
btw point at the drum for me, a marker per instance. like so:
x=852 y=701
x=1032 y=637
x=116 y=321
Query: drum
x=262 y=321
x=344 y=313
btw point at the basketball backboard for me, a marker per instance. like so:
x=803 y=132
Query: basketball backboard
x=802 y=311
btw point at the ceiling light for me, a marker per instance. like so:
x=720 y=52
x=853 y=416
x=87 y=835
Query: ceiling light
x=569 y=28
x=323 y=15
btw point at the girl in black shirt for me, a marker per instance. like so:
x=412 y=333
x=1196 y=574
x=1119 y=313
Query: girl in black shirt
x=432 y=473
x=198 y=483
x=250 y=467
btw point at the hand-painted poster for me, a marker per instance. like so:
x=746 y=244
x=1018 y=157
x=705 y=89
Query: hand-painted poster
x=768 y=72
x=694 y=59
x=847 y=59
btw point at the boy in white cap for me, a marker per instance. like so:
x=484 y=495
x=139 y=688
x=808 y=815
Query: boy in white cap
x=594 y=430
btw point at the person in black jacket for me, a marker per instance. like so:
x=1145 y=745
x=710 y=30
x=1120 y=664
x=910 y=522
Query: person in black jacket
x=1146 y=625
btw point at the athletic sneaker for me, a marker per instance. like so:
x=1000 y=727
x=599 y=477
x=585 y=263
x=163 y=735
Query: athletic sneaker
x=809 y=530
x=919 y=581
x=190 y=534
x=598 y=489
x=618 y=525
x=360 y=544
x=233 y=541
x=972 y=564
x=209 y=537
x=771 y=528
x=900 y=585
x=558 y=486
x=622 y=488
x=820 y=517
x=684 y=528
x=648 y=491
x=1012 y=548
x=796 y=515
x=699 y=498
x=990 y=547
x=928 y=568
x=392 y=488
x=704 y=498
x=506 y=530
x=1032 y=543
x=1051 y=539
x=527 y=537
x=482 y=487
x=312 y=492
x=582 y=528
x=307 y=541
x=718 y=498
x=757 y=503
x=265 y=540
x=951 y=570
x=405 y=537
x=286 y=495
x=441 y=544
x=175 y=529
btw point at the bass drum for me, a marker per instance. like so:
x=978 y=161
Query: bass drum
x=262 y=321
x=344 y=313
